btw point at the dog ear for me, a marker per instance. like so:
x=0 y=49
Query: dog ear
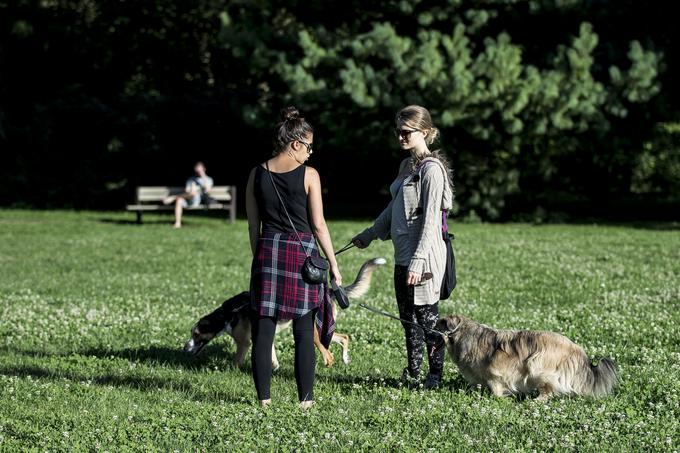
x=452 y=322
x=442 y=325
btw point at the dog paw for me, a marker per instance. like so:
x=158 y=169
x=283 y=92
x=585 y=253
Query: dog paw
x=345 y=357
x=329 y=360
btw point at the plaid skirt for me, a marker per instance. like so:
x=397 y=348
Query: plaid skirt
x=276 y=285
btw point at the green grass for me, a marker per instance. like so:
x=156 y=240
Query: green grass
x=94 y=312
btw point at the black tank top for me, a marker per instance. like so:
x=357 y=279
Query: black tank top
x=291 y=185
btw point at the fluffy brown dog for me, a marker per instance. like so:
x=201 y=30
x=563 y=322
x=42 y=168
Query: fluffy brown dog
x=522 y=361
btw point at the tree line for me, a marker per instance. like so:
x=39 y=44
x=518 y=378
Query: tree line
x=562 y=106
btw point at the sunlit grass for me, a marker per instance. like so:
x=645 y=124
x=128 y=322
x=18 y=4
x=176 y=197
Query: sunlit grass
x=94 y=311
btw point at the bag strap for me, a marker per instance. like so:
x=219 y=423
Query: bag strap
x=285 y=210
x=445 y=225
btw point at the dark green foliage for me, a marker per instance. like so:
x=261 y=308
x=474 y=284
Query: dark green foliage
x=538 y=101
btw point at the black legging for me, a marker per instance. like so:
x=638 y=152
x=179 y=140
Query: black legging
x=425 y=315
x=264 y=329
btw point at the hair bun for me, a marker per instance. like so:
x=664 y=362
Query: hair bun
x=289 y=113
x=432 y=136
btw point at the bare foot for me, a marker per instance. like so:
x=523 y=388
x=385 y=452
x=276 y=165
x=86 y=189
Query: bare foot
x=266 y=403
x=177 y=225
x=168 y=200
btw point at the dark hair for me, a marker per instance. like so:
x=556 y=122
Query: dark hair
x=292 y=127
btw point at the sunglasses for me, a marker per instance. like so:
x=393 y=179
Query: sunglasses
x=308 y=145
x=405 y=133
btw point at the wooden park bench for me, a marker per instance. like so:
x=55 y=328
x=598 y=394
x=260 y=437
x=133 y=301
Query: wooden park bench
x=151 y=199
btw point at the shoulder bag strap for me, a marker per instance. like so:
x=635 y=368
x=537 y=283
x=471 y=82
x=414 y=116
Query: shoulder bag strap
x=445 y=225
x=284 y=209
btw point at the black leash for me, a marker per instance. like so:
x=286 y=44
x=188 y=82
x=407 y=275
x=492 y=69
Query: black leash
x=442 y=335
x=389 y=315
x=345 y=248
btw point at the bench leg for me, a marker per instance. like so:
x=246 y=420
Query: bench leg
x=139 y=217
x=232 y=208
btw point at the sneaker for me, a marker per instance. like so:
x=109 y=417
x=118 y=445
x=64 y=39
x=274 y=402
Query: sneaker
x=307 y=405
x=433 y=381
x=408 y=380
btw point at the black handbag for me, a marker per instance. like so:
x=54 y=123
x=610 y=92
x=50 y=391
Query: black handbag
x=449 y=281
x=314 y=268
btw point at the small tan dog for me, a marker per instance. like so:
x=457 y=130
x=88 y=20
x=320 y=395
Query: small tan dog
x=233 y=318
x=522 y=361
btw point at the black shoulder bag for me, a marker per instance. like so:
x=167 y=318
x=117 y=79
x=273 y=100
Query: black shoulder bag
x=314 y=268
x=449 y=280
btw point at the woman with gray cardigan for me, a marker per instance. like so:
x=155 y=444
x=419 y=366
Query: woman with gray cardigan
x=413 y=221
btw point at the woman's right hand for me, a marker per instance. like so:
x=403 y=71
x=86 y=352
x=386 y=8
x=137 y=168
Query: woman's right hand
x=363 y=239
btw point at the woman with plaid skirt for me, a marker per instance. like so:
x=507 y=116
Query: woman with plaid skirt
x=278 y=291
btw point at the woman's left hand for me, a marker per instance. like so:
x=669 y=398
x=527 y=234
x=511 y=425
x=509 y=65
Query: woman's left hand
x=335 y=275
x=413 y=279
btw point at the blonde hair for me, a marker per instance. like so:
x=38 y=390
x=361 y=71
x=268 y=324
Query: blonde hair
x=419 y=118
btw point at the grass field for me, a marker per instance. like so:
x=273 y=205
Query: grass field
x=94 y=311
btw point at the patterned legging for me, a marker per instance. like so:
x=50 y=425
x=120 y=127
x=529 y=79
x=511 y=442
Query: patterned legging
x=426 y=316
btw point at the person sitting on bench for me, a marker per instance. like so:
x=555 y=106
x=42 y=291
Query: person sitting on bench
x=196 y=191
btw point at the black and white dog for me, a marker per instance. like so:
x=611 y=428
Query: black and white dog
x=233 y=318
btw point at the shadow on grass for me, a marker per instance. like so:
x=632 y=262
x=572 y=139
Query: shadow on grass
x=456 y=383
x=133 y=382
x=212 y=355
x=115 y=221
x=352 y=380
x=215 y=355
x=166 y=218
x=655 y=226
x=637 y=225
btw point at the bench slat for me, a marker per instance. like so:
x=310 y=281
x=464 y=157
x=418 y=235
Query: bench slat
x=161 y=207
x=158 y=193
x=221 y=193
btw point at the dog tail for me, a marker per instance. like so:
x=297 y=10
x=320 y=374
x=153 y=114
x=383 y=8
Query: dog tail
x=601 y=378
x=363 y=281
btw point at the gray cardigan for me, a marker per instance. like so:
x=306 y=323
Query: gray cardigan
x=425 y=196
